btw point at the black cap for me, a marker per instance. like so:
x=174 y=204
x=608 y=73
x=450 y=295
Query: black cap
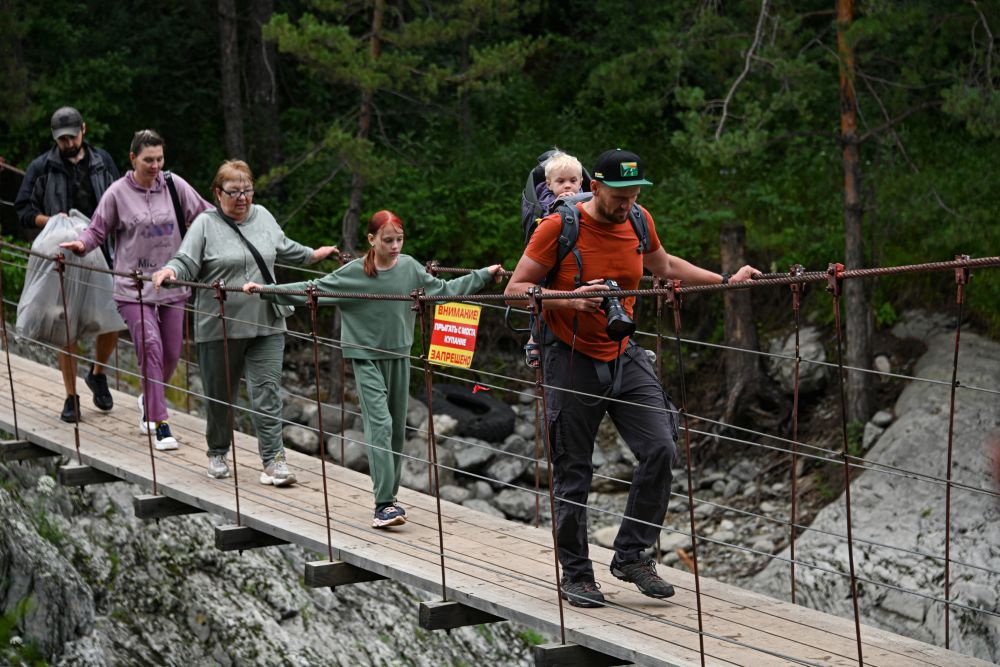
x=617 y=168
x=66 y=121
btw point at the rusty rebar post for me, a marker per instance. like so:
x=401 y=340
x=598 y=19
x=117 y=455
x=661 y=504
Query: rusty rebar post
x=434 y=478
x=343 y=400
x=535 y=306
x=60 y=268
x=220 y=296
x=834 y=276
x=658 y=284
x=144 y=371
x=314 y=319
x=6 y=350
x=962 y=276
x=797 y=291
x=187 y=357
x=674 y=302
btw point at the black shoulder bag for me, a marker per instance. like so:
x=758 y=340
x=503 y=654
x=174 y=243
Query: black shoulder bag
x=178 y=211
x=279 y=309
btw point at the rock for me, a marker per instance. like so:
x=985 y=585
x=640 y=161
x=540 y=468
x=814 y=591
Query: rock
x=882 y=418
x=525 y=430
x=517 y=504
x=416 y=413
x=301 y=439
x=331 y=418
x=483 y=490
x=612 y=477
x=726 y=536
x=703 y=510
x=768 y=507
x=812 y=376
x=484 y=507
x=744 y=471
x=606 y=536
x=505 y=469
x=470 y=454
x=444 y=425
x=355 y=451
x=872 y=434
x=763 y=545
x=733 y=487
x=671 y=541
x=719 y=487
x=727 y=524
x=882 y=364
x=455 y=494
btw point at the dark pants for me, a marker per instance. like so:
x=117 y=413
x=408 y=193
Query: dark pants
x=639 y=412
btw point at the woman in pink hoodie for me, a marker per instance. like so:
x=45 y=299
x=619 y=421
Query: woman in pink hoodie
x=139 y=212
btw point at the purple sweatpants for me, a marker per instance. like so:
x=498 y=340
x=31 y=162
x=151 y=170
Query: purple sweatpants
x=161 y=348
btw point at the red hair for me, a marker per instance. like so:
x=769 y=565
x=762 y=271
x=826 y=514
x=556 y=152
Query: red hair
x=377 y=222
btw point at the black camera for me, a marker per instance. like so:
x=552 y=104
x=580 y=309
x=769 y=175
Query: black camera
x=620 y=325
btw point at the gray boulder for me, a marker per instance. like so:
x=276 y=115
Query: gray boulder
x=812 y=376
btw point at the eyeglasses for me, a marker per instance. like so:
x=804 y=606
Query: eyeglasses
x=236 y=194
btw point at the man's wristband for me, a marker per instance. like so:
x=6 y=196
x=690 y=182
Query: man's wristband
x=725 y=278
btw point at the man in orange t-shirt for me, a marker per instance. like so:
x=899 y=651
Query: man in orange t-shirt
x=589 y=374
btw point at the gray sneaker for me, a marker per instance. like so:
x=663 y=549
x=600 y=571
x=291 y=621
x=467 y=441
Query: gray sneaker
x=217 y=467
x=642 y=573
x=277 y=473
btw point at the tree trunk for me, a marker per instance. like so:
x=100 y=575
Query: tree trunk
x=229 y=62
x=858 y=320
x=262 y=91
x=353 y=214
x=743 y=372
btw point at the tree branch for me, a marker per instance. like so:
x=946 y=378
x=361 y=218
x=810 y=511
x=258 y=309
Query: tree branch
x=746 y=68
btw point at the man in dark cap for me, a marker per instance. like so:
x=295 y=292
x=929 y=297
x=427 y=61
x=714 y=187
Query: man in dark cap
x=593 y=367
x=72 y=174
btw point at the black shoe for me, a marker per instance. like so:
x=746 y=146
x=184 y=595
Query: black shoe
x=71 y=409
x=643 y=574
x=99 y=385
x=582 y=593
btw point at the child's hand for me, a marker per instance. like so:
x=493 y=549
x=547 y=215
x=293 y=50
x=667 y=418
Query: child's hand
x=495 y=270
x=250 y=288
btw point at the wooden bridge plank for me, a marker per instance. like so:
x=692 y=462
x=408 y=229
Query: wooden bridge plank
x=475 y=546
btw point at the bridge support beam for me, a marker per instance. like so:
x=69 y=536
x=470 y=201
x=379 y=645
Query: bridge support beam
x=573 y=655
x=322 y=573
x=450 y=614
x=241 y=538
x=22 y=450
x=160 y=507
x=73 y=474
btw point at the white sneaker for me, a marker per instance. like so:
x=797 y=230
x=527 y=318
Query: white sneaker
x=164 y=438
x=217 y=467
x=144 y=426
x=277 y=472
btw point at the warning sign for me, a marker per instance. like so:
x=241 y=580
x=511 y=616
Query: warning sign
x=453 y=337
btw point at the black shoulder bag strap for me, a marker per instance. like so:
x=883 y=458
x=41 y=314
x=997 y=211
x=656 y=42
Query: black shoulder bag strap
x=268 y=278
x=178 y=211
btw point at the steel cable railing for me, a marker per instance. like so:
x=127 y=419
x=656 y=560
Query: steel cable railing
x=848 y=464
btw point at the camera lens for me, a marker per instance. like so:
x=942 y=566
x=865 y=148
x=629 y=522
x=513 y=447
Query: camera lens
x=620 y=325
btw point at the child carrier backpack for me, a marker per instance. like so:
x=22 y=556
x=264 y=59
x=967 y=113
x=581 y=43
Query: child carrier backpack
x=531 y=209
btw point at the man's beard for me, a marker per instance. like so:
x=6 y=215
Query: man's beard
x=70 y=153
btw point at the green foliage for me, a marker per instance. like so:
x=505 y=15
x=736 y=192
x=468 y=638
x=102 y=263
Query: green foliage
x=530 y=637
x=13 y=649
x=855 y=437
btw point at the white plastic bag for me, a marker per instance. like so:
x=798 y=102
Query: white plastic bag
x=90 y=307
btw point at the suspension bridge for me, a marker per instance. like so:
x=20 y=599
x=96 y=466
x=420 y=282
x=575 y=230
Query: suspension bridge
x=476 y=568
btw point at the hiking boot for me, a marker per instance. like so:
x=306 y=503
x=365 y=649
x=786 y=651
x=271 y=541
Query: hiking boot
x=277 y=473
x=98 y=384
x=390 y=515
x=164 y=438
x=71 y=409
x=582 y=593
x=217 y=467
x=144 y=426
x=642 y=573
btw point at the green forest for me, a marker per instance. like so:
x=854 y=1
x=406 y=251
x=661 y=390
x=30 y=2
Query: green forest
x=438 y=110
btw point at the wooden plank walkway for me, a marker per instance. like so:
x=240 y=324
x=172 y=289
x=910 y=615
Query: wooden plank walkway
x=500 y=567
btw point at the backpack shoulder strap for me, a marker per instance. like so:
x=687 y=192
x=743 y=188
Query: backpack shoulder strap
x=175 y=198
x=640 y=225
x=569 y=216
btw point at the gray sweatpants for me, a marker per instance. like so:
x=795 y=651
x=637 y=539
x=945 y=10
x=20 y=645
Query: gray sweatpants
x=261 y=359
x=639 y=413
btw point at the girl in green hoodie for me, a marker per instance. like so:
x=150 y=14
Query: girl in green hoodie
x=376 y=337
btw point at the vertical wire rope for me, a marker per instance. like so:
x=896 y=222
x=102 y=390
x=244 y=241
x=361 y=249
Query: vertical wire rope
x=797 y=289
x=187 y=357
x=343 y=399
x=6 y=350
x=421 y=309
x=961 y=279
x=535 y=305
x=220 y=296
x=834 y=283
x=313 y=308
x=60 y=268
x=674 y=300
x=658 y=284
x=144 y=372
